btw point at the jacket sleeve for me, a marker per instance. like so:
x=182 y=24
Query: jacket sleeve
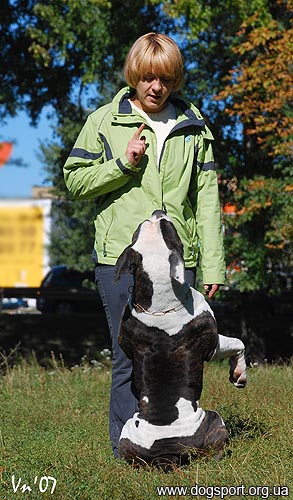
x=88 y=173
x=208 y=213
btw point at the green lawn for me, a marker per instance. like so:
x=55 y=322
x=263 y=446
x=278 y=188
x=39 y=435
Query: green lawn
x=54 y=436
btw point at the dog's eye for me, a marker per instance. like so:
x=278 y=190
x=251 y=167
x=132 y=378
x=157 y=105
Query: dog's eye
x=136 y=423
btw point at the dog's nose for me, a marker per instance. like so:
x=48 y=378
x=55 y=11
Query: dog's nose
x=159 y=214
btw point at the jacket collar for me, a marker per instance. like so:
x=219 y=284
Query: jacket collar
x=122 y=106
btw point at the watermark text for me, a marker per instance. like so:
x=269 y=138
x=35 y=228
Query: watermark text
x=224 y=492
x=43 y=484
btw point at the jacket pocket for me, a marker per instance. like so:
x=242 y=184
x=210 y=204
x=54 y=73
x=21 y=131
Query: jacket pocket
x=104 y=222
x=190 y=227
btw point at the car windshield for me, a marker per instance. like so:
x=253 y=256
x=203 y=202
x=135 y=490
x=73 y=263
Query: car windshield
x=63 y=277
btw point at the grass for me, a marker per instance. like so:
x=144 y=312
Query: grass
x=54 y=424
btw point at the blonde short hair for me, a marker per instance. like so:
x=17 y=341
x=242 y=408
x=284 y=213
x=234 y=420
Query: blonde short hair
x=154 y=53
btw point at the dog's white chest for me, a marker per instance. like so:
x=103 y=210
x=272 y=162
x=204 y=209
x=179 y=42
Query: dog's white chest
x=173 y=321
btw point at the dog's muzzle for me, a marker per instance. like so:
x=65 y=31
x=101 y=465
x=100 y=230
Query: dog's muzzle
x=157 y=215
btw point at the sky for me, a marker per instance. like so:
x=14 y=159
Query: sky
x=17 y=182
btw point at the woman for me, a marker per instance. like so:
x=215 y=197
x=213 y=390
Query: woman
x=148 y=149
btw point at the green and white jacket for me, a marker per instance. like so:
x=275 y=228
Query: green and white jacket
x=183 y=182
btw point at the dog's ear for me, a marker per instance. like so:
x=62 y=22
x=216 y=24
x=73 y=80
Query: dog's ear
x=128 y=261
x=177 y=271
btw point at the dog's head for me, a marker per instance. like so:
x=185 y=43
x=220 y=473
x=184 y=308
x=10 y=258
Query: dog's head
x=155 y=247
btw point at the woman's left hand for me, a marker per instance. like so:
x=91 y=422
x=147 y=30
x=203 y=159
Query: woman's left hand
x=211 y=290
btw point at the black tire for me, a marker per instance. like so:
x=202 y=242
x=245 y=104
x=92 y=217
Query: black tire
x=63 y=308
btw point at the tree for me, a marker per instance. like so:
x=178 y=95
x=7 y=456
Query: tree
x=259 y=235
x=259 y=93
x=261 y=86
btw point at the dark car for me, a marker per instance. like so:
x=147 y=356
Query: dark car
x=13 y=303
x=65 y=291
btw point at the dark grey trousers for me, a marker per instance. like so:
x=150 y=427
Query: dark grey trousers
x=123 y=397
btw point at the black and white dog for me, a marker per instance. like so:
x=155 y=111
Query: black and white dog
x=169 y=330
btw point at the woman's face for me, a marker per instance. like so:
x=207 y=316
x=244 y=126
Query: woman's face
x=152 y=92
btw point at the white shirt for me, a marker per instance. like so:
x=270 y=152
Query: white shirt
x=161 y=123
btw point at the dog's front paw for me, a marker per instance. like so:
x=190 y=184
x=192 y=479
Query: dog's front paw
x=237 y=374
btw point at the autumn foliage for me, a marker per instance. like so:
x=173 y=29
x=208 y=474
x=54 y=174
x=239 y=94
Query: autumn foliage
x=261 y=86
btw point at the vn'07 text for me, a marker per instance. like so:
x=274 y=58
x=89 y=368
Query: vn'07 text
x=43 y=484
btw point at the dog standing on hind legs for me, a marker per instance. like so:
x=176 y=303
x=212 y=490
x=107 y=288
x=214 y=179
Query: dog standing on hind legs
x=168 y=330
